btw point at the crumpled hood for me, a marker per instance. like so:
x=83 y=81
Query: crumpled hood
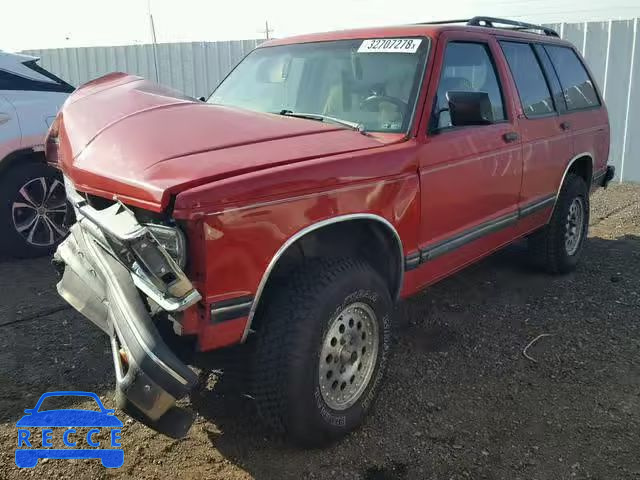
x=122 y=135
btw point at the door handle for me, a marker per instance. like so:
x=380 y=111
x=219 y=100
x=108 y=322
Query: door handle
x=565 y=125
x=510 y=137
x=4 y=117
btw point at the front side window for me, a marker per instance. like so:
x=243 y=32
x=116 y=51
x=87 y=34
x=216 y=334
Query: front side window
x=578 y=88
x=467 y=67
x=530 y=82
x=371 y=82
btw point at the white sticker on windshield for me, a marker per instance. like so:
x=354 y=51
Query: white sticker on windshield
x=390 y=45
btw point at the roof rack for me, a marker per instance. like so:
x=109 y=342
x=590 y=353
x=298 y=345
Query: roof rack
x=491 y=22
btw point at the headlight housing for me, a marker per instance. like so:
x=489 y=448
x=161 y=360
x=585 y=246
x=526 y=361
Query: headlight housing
x=173 y=241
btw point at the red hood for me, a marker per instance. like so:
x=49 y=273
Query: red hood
x=126 y=136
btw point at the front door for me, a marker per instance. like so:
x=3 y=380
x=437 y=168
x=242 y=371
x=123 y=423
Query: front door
x=470 y=176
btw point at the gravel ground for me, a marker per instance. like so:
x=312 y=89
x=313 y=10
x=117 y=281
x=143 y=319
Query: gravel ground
x=461 y=401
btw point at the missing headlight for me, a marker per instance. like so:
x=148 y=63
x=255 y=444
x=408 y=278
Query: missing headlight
x=172 y=240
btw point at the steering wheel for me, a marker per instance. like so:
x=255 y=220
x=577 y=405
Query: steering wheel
x=376 y=100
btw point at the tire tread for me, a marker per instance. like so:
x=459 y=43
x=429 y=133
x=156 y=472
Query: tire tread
x=545 y=245
x=283 y=324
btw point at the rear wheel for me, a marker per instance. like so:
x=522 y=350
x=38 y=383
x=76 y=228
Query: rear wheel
x=32 y=210
x=322 y=349
x=557 y=247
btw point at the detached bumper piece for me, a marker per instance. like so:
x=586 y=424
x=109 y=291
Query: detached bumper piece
x=100 y=283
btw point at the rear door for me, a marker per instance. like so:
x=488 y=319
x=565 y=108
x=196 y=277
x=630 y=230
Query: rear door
x=470 y=176
x=546 y=140
x=585 y=117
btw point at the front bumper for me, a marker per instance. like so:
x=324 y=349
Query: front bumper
x=96 y=282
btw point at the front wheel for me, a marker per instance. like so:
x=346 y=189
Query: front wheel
x=322 y=350
x=557 y=247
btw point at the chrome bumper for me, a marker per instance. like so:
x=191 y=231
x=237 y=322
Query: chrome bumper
x=97 y=281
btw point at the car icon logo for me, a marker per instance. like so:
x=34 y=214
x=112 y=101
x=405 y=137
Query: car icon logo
x=32 y=448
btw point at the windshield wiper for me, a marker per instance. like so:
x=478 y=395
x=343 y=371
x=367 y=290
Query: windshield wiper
x=358 y=127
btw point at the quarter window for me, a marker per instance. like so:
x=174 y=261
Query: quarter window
x=467 y=67
x=577 y=87
x=532 y=86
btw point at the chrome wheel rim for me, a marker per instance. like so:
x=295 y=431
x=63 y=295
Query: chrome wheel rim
x=348 y=356
x=574 y=228
x=38 y=211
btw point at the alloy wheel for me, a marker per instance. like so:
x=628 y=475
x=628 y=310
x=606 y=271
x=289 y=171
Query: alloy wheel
x=38 y=211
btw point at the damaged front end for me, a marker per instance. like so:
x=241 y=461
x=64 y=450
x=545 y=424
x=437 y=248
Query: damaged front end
x=116 y=271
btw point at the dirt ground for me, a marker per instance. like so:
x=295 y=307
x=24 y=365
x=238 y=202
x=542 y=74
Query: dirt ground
x=461 y=401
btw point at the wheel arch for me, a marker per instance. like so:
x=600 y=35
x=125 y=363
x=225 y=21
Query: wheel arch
x=583 y=165
x=22 y=155
x=380 y=225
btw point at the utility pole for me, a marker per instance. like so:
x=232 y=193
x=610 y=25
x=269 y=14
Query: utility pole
x=153 y=39
x=267 y=30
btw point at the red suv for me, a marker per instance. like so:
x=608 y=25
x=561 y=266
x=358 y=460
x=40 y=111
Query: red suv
x=328 y=176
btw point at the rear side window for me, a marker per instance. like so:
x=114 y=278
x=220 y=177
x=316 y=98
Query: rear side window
x=41 y=80
x=552 y=78
x=532 y=86
x=577 y=87
x=467 y=67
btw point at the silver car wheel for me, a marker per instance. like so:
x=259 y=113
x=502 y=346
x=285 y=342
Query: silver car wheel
x=348 y=356
x=574 y=226
x=38 y=211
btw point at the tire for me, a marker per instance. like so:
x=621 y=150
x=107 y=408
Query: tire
x=31 y=213
x=297 y=330
x=550 y=247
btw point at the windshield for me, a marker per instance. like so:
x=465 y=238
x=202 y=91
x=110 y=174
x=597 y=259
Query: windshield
x=372 y=83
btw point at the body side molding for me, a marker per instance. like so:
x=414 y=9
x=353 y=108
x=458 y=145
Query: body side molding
x=487 y=228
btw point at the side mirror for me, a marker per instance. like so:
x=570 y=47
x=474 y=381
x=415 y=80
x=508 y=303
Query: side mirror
x=29 y=410
x=469 y=108
x=201 y=99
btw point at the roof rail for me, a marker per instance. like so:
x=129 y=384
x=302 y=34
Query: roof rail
x=443 y=22
x=491 y=22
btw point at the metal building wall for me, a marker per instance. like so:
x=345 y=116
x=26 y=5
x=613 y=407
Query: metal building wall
x=194 y=68
x=612 y=50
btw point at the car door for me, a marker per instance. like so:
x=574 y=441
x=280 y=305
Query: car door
x=546 y=140
x=469 y=176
